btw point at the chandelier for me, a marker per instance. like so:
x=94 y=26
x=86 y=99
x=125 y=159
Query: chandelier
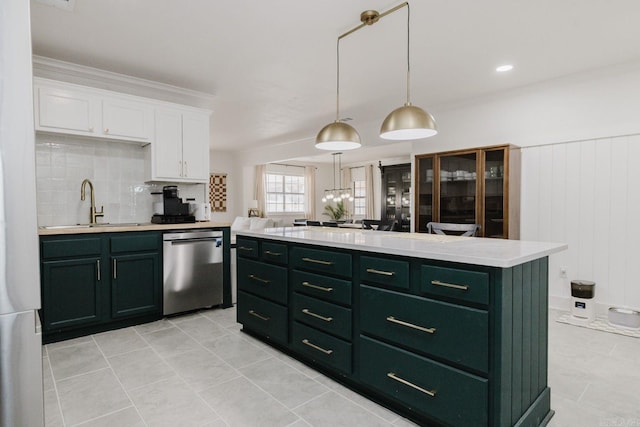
x=339 y=193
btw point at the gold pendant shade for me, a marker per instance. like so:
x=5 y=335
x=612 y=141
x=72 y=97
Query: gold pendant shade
x=405 y=123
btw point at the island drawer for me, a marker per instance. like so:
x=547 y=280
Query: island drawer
x=383 y=271
x=464 y=285
x=450 y=395
x=322 y=315
x=70 y=247
x=274 y=252
x=247 y=248
x=323 y=261
x=268 y=281
x=321 y=347
x=447 y=331
x=263 y=317
x=327 y=288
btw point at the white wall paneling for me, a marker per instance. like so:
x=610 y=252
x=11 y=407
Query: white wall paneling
x=585 y=194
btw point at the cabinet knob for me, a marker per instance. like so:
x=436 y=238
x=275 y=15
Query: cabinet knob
x=106 y=130
x=90 y=128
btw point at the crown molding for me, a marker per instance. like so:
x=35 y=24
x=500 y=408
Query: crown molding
x=48 y=68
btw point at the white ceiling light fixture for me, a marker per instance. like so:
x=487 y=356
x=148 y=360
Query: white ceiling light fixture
x=402 y=124
x=504 y=68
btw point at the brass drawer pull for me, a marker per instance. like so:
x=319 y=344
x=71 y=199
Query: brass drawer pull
x=449 y=285
x=317 y=261
x=272 y=253
x=411 y=325
x=245 y=248
x=394 y=377
x=320 y=288
x=253 y=313
x=380 y=272
x=317 y=316
x=310 y=344
x=254 y=277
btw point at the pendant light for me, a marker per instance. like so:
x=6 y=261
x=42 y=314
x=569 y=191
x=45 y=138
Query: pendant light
x=405 y=123
x=408 y=122
x=338 y=135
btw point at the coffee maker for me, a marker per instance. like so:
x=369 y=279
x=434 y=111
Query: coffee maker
x=175 y=212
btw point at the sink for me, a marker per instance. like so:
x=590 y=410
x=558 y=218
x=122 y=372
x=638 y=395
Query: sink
x=107 y=224
x=60 y=227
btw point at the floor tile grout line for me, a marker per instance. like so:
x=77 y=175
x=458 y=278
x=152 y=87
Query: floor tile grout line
x=120 y=383
x=101 y=416
x=328 y=390
x=55 y=388
x=177 y=374
x=93 y=371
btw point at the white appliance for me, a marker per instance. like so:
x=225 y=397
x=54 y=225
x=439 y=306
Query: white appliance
x=21 y=397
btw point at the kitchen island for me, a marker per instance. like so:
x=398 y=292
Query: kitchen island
x=444 y=330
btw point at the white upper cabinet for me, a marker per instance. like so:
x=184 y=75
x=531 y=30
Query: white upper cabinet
x=195 y=146
x=125 y=119
x=65 y=110
x=78 y=110
x=176 y=137
x=180 y=151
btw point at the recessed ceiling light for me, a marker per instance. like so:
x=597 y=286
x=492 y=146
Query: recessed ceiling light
x=504 y=68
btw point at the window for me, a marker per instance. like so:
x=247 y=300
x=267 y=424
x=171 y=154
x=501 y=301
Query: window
x=359 y=198
x=285 y=193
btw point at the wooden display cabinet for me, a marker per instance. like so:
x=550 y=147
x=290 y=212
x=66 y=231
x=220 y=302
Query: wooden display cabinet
x=475 y=186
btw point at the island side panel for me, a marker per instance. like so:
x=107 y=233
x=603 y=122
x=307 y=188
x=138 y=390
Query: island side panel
x=521 y=395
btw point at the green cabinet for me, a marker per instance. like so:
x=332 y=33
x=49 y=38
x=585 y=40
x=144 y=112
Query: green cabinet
x=134 y=284
x=72 y=293
x=94 y=283
x=441 y=343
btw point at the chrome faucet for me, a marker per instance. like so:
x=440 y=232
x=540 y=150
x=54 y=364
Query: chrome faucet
x=94 y=214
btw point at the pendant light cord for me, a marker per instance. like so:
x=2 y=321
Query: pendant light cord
x=337 y=82
x=408 y=56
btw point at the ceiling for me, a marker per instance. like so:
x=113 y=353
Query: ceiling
x=271 y=65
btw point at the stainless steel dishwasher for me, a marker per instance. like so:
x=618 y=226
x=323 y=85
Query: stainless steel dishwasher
x=192 y=270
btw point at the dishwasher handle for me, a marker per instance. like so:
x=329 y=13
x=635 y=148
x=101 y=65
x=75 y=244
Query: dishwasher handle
x=217 y=240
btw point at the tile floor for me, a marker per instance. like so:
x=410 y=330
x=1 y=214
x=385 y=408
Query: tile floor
x=200 y=370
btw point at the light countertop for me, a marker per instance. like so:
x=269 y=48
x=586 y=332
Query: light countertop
x=469 y=250
x=115 y=228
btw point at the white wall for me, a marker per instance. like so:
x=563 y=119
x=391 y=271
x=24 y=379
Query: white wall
x=579 y=177
x=224 y=162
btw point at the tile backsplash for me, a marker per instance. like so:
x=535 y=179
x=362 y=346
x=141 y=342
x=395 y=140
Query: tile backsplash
x=116 y=170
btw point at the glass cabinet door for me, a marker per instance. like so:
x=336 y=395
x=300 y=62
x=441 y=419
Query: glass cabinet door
x=458 y=188
x=424 y=204
x=391 y=191
x=396 y=195
x=494 y=184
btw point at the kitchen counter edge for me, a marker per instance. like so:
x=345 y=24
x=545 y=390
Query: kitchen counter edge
x=477 y=250
x=125 y=228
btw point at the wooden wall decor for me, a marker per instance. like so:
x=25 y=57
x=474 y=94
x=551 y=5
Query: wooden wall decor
x=218 y=192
